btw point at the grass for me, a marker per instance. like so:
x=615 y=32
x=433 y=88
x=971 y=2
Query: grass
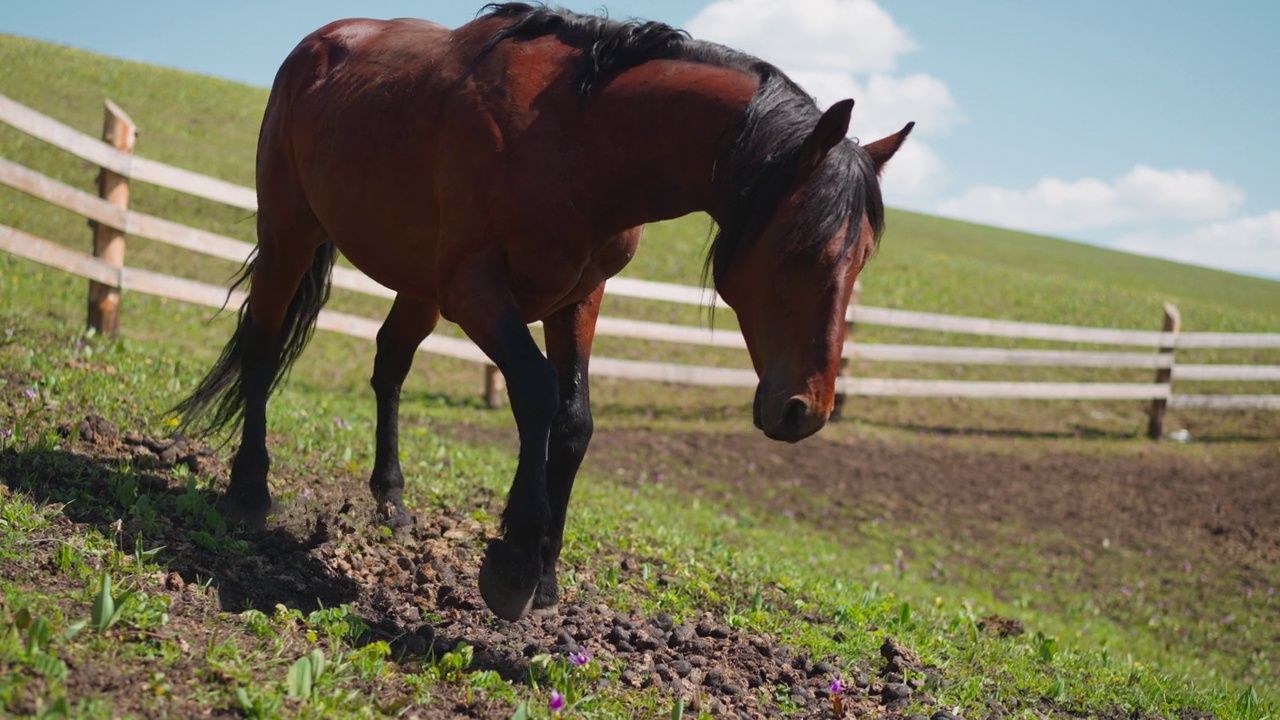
x=762 y=573
x=719 y=557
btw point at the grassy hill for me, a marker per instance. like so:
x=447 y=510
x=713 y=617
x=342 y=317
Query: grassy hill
x=926 y=263
x=814 y=595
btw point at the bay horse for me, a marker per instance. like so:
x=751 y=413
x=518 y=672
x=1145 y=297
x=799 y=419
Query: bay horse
x=496 y=175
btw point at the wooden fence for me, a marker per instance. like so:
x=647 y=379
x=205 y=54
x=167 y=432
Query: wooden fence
x=108 y=275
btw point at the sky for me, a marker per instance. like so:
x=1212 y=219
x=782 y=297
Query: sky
x=1144 y=125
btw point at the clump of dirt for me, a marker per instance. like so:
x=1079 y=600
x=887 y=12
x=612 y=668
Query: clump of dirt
x=417 y=588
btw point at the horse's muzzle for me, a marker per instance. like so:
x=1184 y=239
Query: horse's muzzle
x=791 y=420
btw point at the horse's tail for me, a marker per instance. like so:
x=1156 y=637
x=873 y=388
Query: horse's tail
x=218 y=402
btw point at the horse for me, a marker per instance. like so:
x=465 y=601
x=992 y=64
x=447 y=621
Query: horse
x=498 y=174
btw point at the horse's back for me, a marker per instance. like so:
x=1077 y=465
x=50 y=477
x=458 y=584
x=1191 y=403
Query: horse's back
x=418 y=149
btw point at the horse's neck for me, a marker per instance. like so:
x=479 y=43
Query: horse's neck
x=666 y=122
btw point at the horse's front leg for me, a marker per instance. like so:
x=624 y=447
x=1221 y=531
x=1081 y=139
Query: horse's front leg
x=569 y=334
x=513 y=564
x=410 y=321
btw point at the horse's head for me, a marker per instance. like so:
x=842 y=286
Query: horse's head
x=790 y=284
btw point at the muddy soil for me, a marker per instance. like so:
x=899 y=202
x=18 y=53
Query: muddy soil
x=1158 y=500
x=417 y=589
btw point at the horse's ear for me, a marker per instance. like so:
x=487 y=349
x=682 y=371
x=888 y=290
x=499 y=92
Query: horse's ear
x=831 y=129
x=884 y=148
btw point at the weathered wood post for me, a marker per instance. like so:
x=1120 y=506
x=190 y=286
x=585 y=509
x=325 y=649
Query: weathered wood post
x=837 y=409
x=108 y=243
x=495 y=387
x=1172 y=325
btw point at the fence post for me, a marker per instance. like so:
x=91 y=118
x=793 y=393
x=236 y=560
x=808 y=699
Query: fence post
x=495 y=386
x=1172 y=325
x=837 y=408
x=119 y=131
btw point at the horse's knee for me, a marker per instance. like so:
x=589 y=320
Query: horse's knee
x=573 y=428
x=534 y=393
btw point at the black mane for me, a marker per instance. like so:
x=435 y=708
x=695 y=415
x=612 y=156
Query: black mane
x=756 y=168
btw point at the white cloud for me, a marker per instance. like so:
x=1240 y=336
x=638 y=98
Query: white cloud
x=884 y=103
x=1143 y=194
x=843 y=36
x=838 y=49
x=1249 y=245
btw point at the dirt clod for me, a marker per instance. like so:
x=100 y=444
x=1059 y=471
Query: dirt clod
x=1002 y=626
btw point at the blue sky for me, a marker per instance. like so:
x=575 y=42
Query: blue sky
x=1144 y=125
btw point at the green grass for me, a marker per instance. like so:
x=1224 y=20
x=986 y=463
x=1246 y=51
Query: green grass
x=762 y=573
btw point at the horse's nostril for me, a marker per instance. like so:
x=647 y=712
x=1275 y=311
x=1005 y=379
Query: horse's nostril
x=794 y=414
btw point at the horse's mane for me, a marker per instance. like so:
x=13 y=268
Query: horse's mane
x=757 y=165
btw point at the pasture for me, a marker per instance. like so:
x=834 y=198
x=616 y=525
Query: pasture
x=1001 y=558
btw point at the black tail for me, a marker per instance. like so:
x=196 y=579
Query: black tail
x=218 y=402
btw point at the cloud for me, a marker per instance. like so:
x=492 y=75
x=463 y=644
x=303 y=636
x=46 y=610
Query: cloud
x=838 y=49
x=1143 y=194
x=885 y=103
x=1249 y=245
x=842 y=36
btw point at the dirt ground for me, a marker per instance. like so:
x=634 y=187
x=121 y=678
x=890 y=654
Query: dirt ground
x=1160 y=500
x=418 y=591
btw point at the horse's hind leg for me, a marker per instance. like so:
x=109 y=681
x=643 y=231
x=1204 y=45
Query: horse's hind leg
x=407 y=325
x=288 y=285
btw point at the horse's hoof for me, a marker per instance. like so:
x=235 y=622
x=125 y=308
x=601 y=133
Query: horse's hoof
x=502 y=586
x=542 y=612
x=251 y=515
x=546 y=599
x=394 y=516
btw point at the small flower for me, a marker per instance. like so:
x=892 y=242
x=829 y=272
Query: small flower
x=5 y=434
x=580 y=658
x=557 y=702
x=836 y=686
x=341 y=423
x=30 y=393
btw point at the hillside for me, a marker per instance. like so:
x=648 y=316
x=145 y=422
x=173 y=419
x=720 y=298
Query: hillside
x=1036 y=558
x=926 y=263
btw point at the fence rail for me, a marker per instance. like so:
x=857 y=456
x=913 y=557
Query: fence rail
x=110 y=213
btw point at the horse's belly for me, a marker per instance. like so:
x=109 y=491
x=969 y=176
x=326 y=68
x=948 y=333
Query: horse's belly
x=579 y=272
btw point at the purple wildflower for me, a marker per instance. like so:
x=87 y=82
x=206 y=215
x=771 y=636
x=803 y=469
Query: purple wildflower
x=30 y=393
x=6 y=433
x=341 y=423
x=557 y=701
x=836 y=686
x=580 y=658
